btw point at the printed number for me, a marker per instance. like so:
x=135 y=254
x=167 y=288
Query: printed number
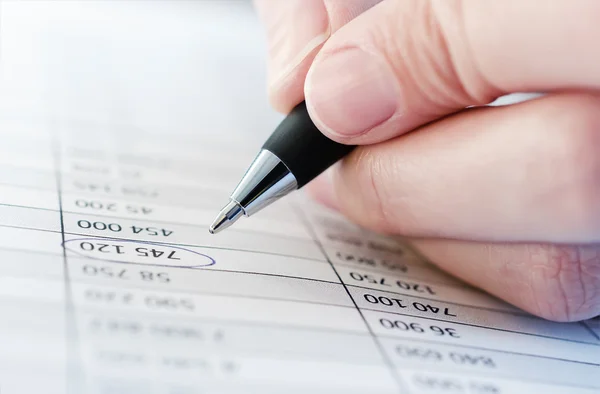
x=101 y=248
x=123 y=273
x=138 y=209
x=384 y=301
x=96 y=205
x=141 y=252
x=115 y=227
x=151 y=231
x=460 y=358
x=107 y=188
x=398 y=303
x=101 y=226
x=112 y=207
x=149 y=276
x=145 y=252
x=371 y=262
x=382 y=281
x=120 y=249
x=107 y=272
x=417 y=328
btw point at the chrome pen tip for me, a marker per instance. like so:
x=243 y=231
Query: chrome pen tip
x=226 y=217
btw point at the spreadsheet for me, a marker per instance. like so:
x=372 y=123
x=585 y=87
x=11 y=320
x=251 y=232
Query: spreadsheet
x=111 y=283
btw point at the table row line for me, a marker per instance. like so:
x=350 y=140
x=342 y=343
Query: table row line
x=340 y=248
x=110 y=260
x=135 y=342
x=323 y=306
x=107 y=143
x=15 y=200
x=281 y=221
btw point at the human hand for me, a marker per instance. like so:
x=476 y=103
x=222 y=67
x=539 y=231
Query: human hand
x=506 y=198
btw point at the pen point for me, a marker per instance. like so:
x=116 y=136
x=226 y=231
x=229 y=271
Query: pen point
x=228 y=215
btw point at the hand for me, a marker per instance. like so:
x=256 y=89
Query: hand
x=506 y=198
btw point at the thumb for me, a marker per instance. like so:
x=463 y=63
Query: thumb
x=296 y=31
x=405 y=63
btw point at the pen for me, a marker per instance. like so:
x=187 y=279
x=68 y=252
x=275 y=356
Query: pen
x=292 y=156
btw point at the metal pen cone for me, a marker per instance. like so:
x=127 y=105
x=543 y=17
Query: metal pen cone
x=228 y=215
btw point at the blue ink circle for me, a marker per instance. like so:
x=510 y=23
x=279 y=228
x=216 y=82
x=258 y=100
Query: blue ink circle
x=210 y=262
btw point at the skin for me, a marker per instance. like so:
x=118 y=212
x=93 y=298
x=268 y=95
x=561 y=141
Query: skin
x=506 y=198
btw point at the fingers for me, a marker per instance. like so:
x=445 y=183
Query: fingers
x=556 y=282
x=404 y=63
x=527 y=172
x=296 y=30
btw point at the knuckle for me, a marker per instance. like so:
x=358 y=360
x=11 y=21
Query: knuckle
x=425 y=43
x=565 y=281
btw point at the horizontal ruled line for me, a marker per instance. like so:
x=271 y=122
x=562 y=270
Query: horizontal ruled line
x=165 y=243
x=508 y=377
x=379 y=271
x=254 y=273
x=309 y=279
x=150 y=316
x=291 y=327
x=515 y=313
x=211 y=293
x=486 y=327
x=458 y=285
x=490 y=350
x=204 y=227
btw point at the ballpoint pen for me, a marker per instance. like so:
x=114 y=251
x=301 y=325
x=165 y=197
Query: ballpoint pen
x=292 y=156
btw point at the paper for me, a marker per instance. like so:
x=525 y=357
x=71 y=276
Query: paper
x=142 y=299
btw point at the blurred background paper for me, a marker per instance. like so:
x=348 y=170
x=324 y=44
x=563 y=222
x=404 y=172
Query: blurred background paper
x=168 y=66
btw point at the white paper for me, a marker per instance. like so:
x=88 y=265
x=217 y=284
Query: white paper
x=124 y=127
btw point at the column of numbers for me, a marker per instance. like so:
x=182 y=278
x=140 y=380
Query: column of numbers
x=245 y=308
x=427 y=320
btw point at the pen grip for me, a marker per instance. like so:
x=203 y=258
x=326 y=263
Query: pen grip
x=301 y=146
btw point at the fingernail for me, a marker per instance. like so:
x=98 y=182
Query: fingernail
x=285 y=61
x=351 y=91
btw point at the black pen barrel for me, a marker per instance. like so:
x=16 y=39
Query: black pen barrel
x=301 y=146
